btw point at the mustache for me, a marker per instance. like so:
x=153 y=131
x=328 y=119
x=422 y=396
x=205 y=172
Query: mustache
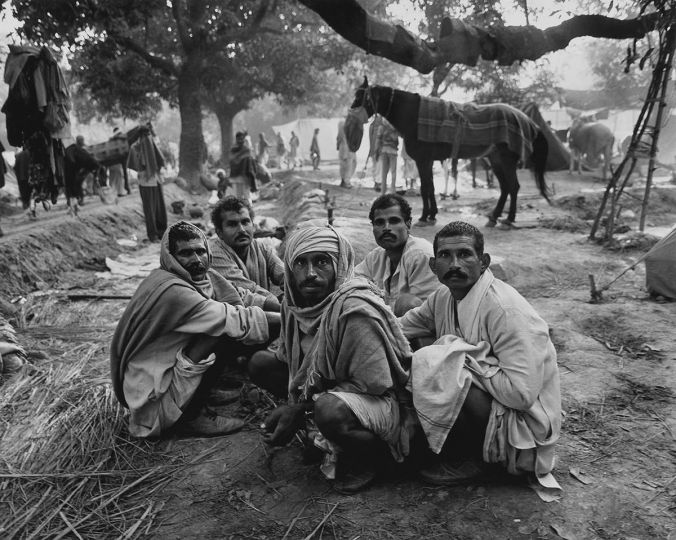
x=454 y=273
x=197 y=268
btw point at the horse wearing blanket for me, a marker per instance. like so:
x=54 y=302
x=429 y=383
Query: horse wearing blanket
x=434 y=129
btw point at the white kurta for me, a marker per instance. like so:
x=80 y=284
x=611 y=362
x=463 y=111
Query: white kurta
x=520 y=371
x=412 y=275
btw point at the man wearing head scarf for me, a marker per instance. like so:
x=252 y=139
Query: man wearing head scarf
x=342 y=357
x=163 y=363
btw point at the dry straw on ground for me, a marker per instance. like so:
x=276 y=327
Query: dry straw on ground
x=67 y=469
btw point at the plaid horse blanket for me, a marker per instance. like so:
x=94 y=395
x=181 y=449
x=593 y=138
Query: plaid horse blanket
x=467 y=124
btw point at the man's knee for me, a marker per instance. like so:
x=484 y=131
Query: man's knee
x=266 y=371
x=405 y=303
x=333 y=417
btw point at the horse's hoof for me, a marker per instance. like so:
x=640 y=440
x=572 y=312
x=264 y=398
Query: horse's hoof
x=506 y=224
x=491 y=223
x=455 y=196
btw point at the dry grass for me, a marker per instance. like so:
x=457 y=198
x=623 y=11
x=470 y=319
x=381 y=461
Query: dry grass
x=67 y=467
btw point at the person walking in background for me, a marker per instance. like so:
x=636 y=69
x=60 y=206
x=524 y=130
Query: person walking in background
x=315 y=154
x=263 y=153
x=294 y=143
x=374 y=151
x=281 y=149
x=388 y=148
x=242 y=169
x=146 y=159
x=348 y=159
x=116 y=176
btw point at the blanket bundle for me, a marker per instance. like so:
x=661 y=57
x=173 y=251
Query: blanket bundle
x=468 y=124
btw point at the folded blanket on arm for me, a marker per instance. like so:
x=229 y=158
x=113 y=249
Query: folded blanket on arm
x=467 y=124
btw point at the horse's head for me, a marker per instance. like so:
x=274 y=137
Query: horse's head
x=360 y=111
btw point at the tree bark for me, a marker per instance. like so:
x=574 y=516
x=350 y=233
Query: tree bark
x=225 y=120
x=190 y=145
x=465 y=43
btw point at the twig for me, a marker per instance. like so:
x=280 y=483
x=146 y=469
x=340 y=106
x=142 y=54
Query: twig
x=321 y=523
x=83 y=296
x=293 y=521
x=131 y=530
x=70 y=527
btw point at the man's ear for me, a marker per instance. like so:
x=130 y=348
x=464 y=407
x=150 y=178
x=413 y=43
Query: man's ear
x=408 y=223
x=485 y=262
x=433 y=265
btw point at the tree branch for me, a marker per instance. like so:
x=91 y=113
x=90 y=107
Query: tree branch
x=157 y=62
x=464 y=43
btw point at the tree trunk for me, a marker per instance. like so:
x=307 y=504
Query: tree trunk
x=190 y=147
x=225 y=118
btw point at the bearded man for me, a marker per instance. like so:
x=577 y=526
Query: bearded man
x=163 y=361
x=343 y=358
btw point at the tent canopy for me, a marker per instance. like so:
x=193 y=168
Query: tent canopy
x=660 y=266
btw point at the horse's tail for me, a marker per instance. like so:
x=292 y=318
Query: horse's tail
x=539 y=162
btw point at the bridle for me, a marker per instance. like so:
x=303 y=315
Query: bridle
x=369 y=98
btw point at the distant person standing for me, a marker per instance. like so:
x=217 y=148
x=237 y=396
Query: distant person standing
x=281 y=149
x=263 y=154
x=315 y=154
x=116 y=176
x=146 y=159
x=348 y=159
x=374 y=151
x=294 y=143
x=388 y=145
x=242 y=168
x=411 y=174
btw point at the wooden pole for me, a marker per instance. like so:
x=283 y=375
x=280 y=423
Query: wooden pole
x=665 y=76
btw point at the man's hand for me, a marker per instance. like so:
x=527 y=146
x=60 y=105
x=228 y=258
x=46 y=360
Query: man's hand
x=282 y=423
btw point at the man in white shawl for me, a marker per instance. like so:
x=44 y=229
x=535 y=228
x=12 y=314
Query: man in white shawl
x=162 y=359
x=342 y=357
x=489 y=387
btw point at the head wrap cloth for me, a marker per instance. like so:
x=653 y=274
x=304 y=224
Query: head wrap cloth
x=296 y=320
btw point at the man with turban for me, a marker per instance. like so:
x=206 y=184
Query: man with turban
x=342 y=357
x=163 y=362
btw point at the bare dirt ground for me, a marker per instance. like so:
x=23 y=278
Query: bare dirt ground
x=617 y=454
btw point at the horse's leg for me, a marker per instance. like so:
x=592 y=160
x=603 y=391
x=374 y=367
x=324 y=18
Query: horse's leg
x=512 y=182
x=497 y=166
x=472 y=164
x=426 y=185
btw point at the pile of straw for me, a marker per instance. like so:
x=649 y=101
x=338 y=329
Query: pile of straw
x=66 y=466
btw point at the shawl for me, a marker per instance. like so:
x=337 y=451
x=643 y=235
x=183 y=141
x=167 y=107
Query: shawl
x=243 y=164
x=296 y=320
x=255 y=267
x=145 y=156
x=163 y=301
x=357 y=297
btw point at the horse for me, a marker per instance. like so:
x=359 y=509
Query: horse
x=590 y=139
x=401 y=108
